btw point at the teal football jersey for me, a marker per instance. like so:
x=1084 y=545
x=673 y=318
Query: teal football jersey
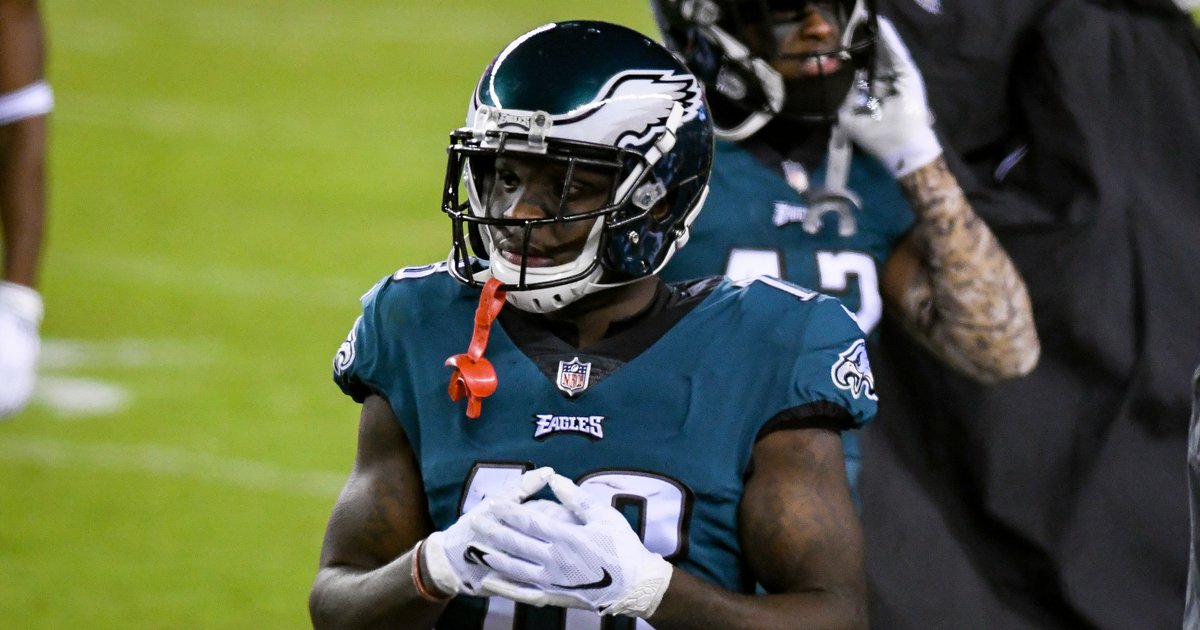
x=666 y=437
x=754 y=222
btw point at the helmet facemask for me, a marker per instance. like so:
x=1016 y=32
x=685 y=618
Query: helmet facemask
x=734 y=46
x=541 y=210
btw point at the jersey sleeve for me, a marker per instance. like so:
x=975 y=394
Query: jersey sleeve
x=832 y=374
x=355 y=363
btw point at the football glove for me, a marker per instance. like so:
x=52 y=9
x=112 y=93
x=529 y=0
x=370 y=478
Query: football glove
x=895 y=126
x=593 y=561
x=20 y=316
x=453 y=556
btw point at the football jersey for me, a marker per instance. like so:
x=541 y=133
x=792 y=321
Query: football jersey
x=666 y=436
x=756 y=222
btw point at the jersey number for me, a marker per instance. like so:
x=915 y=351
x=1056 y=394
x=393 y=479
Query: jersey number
x=835 y=268
x=658 y=508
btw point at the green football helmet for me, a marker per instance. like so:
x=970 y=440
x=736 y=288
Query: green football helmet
x=586 y=97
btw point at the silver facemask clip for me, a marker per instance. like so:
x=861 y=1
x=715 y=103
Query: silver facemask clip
x=492 y=121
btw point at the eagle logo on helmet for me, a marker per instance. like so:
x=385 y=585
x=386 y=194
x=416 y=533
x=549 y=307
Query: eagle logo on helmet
x=630 y=110
x=635 y=105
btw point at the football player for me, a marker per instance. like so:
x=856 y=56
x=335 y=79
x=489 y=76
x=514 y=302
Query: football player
x=828 y=173
x=551 y=436
x=25 y=99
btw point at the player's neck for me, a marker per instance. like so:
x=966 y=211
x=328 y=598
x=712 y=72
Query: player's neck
x=798 y=141
x=592 y=315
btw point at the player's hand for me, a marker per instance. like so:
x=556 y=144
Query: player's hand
x=20 y=316
x=592 y=560
x=894 y=124
x=452 y=556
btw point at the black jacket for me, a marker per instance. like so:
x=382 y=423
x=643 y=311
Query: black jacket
x=1058 y=500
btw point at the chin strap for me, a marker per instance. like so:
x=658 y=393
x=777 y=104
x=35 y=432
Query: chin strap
x=474 y=377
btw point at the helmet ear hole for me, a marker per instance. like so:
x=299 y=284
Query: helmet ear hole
x=661 y=210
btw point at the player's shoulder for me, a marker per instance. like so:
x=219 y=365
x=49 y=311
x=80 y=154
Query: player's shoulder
x=741 y=166
x=787 y=304
x=728 y=147
x=414 y=288
x=769 y=290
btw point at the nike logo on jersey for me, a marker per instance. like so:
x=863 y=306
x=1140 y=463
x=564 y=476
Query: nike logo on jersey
x=475 y=555
x=548 y=424
x=604 y=580
x=786 y=213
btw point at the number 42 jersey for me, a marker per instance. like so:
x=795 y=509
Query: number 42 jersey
x=756 y=222
x=665 y=436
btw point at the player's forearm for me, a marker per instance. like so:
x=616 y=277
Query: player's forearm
x=22 y=139
x=970 y=305
x=693 y=604
x=22 y=198
x=345 y=597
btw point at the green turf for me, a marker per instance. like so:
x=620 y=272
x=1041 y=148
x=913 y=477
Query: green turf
x=227 y=177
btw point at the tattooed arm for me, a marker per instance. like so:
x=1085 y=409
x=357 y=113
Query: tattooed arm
x=953 y=286
x=801 y=539
x=365 y=578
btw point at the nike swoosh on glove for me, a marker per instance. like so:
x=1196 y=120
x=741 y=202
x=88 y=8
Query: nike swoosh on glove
x=593 y=561
x=896 y=125
x=20 y=317
x=456 y=558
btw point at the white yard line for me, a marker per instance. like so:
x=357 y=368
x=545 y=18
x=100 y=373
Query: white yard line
x=76 y=397
x=227 y=281
x=62 y=354
x=171 y=462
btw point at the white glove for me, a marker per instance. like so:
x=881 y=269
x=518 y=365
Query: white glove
x=20 y=316
x=593 y=561
x=456 y=558
x=894 y=125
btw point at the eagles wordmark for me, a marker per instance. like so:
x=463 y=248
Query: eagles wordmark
x=548 y=424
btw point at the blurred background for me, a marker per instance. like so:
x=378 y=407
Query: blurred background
x=226 y=178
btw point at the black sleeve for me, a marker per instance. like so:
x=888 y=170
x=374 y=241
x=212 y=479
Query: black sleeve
x=820 y=414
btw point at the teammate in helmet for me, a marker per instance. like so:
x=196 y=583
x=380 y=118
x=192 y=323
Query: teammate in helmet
x=828 y=173
x=763 y=60
x=592 y=453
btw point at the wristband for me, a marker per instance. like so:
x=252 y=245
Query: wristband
x=34 y=99
x=424 y=591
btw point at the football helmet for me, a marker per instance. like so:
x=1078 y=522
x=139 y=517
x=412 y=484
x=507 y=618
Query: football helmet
x=731 y=44
x=600 y=103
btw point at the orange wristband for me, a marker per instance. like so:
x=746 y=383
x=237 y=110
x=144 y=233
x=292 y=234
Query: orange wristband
x=422 y=590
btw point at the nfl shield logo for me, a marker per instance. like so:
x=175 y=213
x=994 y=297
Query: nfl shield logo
x=573 y=376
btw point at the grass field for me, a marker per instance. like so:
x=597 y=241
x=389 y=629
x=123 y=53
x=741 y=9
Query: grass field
x=227 y=177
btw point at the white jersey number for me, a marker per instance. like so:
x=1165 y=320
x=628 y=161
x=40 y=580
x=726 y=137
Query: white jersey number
x=835 y=268
x=659 y=503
